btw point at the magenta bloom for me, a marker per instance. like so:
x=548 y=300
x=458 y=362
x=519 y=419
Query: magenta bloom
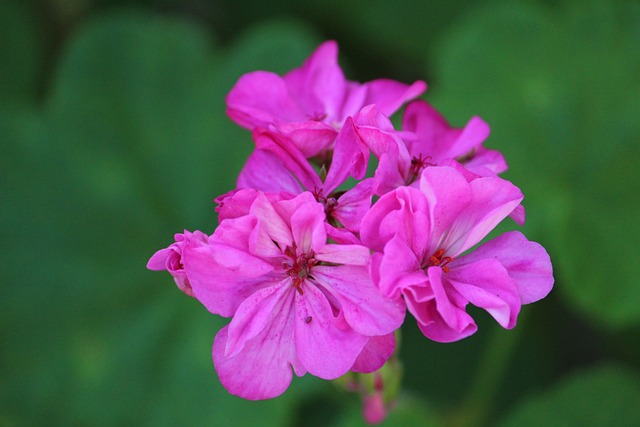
x=297 y=301
x=311 y=103
x=170 y=259
x=419 y=237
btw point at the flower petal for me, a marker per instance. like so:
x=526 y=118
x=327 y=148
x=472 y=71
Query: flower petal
x=375 y=353
x=344 y=254
x=364 y=307
x=325 y=345
x=439 y=310
x=222 y=286
x=265 y=171
x=255 y=313
x=354 y=204
x=389 y=95
x=259 y=99
x=526 y=262
x=485 y=283
x=262 y=370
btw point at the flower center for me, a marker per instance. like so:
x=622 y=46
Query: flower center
x=298 y=266
x=330 y=202
x=417 y=165
x=439 y=260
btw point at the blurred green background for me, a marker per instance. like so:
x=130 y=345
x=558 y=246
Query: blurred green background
x=113 y=137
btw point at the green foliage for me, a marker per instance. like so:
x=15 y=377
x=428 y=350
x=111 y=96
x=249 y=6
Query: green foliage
x=604 y=396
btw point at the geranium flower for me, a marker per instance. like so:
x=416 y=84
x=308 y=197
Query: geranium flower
x=311 y=103
x=297 y=301
x=419 y=236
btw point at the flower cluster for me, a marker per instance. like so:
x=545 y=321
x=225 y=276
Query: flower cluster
x=317 y=274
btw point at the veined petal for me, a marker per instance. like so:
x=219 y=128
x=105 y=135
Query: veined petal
x=307 y=226
x=440 y=312
x=312 y=138
x=398 y=269
x=485 y=283
x=221 y=287
x=350 y=157
x=326 y=346
x=319 y=84
x=526 y=262
x=292 y=159
x=449 y=195
x=375 y=353
x=275 y=226
x=396 y=212
x=259 y=99
x=262 y=370
x=493 y=200
x=364 y=307
x=344 y=254
x=265 y=171
x=256 y=312
x=389 y=95
x=354 y=204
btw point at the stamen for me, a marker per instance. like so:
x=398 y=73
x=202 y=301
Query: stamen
x=438 y=260
x=417 y=165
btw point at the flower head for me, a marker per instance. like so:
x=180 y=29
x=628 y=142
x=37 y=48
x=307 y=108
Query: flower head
x=419 y=237
x=297 y=301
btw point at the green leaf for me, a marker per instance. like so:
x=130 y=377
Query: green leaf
x=604 y=396
x=20 y=52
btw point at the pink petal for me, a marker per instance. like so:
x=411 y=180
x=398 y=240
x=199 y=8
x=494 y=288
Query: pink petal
x=275 y=226
x=486 y=162
x=350 y=157
x=398 y=269
x=375 y=353
x=216 y=278
x=262 y=370
x=264 y=171
x=354 y=204
x=486 y=284
x=389 y=95
x=493 y=200
x=291 y=157
x=364 y=308
x=388 y=175
x=307 y=226
x=312 y=138
x=257 y=312
x=394 y=214
x=440 y=311
x=158 y=261
x=526 y=262
x=341 y=235
x=344 y=254
x=259 y=99
x=449 y=195
x=325 y=345
x=319 y=85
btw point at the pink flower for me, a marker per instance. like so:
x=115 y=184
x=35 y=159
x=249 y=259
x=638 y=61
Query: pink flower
x=430 y=139
x=310 y=104
x=419 y=236
x=297 y=301
x=277 y=166
x=170 y=259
